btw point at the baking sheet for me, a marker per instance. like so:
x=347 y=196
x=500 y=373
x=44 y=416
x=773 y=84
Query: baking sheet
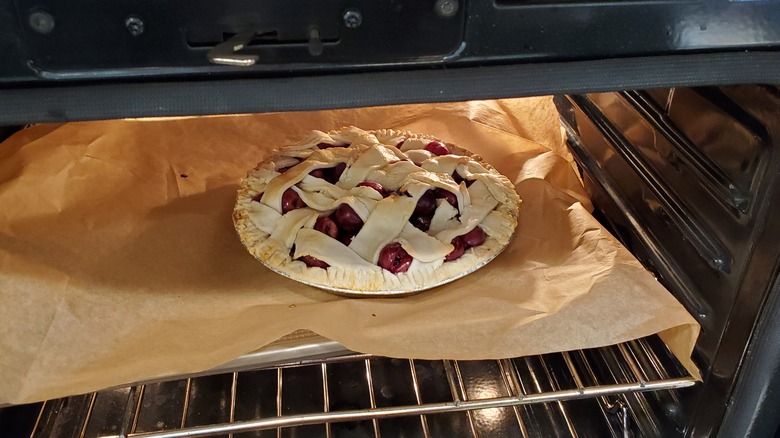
x=119 y=262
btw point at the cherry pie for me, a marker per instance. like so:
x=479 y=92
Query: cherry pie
x=371 y=212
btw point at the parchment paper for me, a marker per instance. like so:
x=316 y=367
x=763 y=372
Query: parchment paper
x=119 y=262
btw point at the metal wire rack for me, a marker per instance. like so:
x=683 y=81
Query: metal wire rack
x=559 y=394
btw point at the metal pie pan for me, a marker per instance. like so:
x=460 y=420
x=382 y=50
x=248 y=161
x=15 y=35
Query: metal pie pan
x=396 y=292
x=384 y=293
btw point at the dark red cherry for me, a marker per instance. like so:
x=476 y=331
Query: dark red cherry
x=437 y=148
x=345 y=236
x=400 y=143
x=346 y=239
x=421 y=222
x=447 y=196
x=426 y=205
x=326 y=225
x=474 y=237
x=394 y=258
x=291 y=201
x=333 y=174
x=347 y=219
x=318 y=173
x=257 y=197
x=313 y=262
x=376 y=186
x=457 y=252
x=459 y=179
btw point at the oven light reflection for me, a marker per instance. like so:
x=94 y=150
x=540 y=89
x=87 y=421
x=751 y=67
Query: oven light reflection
x=493 y=418
x=739 y=26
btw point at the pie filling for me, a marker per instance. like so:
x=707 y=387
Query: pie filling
x=391 y=199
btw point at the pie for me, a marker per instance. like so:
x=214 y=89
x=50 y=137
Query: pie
x=382 y=211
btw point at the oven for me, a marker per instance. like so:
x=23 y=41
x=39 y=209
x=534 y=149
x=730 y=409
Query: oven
x=669 y=111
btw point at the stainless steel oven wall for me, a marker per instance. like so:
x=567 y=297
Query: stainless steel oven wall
x=687 y=179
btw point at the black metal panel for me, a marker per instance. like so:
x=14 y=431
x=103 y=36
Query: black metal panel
x=703 y=146
x=483 y=379
x=162 y=406
x=611 y=121
x=394 y=385
x=107 y=413
x=63 y=418
x=209 y=401
x=67 y=102
x=713 y=174
x=95 y=40
x=302 y=392
x=14 y=62
x=97 y=36
x=754 y=410
x=434 y=389
x=256 y=393
x=18 y=421
x=593 y=29
x=349 y=390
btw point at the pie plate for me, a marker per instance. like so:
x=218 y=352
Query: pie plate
x=385 y=293
x=352 y=277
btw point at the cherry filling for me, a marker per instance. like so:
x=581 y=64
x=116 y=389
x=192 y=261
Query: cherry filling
x=346 y=239
x=474 y=237
x=291 y=201
x=376 y=186
x=326 y=225
x=347 y=219
x=400 y=143
x=257 y=197
x=421 y=222
x=426 y=205
x=342 y=225
x=331 y=174
x=394 y=258
x=447 y=196
x=458 y=179
x=463 y=242
x=458 y=251
x=437 y=148
x=345 y=223
x=313 y=262
x=335 y=173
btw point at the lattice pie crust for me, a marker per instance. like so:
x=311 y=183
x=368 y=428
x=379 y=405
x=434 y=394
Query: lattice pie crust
x=294 y=221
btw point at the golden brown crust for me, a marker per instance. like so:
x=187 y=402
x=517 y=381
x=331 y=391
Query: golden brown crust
x=366 y=280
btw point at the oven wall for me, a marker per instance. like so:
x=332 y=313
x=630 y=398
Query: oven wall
x=686 y=178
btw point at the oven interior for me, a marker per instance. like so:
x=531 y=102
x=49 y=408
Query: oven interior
x=685 y=177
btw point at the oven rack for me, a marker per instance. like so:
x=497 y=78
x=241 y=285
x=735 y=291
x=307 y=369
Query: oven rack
x=363 y=395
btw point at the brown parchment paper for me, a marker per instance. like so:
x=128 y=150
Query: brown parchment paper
x=119 y=262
